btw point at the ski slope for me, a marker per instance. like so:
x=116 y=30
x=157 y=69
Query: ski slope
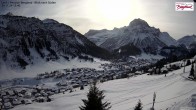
x=125 y=93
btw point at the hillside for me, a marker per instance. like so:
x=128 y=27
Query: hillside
x=28 y=40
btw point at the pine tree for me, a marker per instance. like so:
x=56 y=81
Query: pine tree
x=81 y=87
x=138 y=106
x=188 y=62
x=192 y=70
x=133 y=70
x=94 y=101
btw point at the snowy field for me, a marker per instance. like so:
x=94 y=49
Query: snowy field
x=172 y=92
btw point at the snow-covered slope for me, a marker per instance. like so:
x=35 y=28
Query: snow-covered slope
x=25 y=41
x=187 y=40
x=138 y=33
x=167 y=39
x=42 y=67
x=125 y=93
x=98 y=39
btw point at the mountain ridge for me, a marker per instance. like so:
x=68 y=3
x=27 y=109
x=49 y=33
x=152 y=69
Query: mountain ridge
x=25 y=39
x=187 y=40
x=138 y=33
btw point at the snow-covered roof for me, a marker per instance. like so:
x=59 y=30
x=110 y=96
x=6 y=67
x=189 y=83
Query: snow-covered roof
x=164 y=68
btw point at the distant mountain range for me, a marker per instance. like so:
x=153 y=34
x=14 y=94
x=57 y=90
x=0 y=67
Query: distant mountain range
x=188 y=41
x=26 y=40
x=136 y=38
x=138 y=33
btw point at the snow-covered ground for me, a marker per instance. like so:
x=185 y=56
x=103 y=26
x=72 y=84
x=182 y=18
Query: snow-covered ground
x=125 y=93
x=42 y=66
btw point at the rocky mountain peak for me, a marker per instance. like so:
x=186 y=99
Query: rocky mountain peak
x=138 y=22
x=138 y=33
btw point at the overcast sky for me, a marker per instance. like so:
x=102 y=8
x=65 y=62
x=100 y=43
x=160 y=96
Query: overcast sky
x=83 y=15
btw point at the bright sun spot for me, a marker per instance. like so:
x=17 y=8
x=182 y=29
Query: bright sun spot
x=114 y=9
x=113 y=13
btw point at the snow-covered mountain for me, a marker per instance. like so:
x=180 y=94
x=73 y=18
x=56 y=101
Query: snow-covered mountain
x=187 y=40
x=138 y=33
x=27 y=40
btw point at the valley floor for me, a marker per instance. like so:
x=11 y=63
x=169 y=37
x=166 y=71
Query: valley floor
x=172 y=92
